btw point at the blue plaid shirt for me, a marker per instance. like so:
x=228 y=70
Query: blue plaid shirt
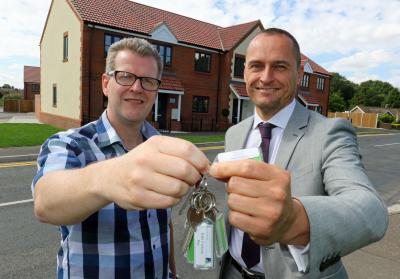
x=113 y=242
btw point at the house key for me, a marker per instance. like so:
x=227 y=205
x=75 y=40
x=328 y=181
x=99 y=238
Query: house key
x=193 y=218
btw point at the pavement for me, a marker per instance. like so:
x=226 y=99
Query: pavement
x=11 y=117
x=380 y=260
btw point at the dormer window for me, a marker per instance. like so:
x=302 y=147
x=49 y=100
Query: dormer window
x=108 y=41
x=165 y=53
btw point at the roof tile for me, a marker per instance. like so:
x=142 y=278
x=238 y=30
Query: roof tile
x=316 y=68
x=31 y=74
x=128 y=15
x=240 y=88
x=171 y=83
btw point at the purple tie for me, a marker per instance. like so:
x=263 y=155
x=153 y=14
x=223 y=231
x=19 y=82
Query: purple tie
x=250 y=249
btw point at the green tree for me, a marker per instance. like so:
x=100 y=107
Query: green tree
x=393 y=100
x=344 y=87
x=336 y=102
x=372 y=93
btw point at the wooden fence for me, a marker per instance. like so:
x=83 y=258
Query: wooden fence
x=12 y=105
x=360 y=120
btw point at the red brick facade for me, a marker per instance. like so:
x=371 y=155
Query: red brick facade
x=316 y=96
x=175 y=108
x=31 y=82
x=213 y=85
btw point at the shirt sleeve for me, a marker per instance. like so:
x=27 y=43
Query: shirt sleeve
x=59 y=152
x=300 y=256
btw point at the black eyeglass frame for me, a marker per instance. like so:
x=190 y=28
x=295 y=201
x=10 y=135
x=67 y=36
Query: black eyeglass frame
x=114 y=74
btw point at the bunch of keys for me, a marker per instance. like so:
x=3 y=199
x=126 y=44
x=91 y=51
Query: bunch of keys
x=205 y=235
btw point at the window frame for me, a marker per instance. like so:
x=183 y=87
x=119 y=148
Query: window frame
x=54 y=99
x=164 y=56
x=320 y=83
x=113 y=40
x=198 y=102
x=35 y=87
x=65 y=47
x=199 y=67
x=305 y=80
x=235 y=72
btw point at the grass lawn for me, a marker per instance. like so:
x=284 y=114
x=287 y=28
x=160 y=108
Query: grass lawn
x=202 y=139
x=18 y=134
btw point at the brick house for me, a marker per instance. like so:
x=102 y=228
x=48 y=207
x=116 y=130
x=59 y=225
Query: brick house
x=314 y=86
x=31 y=82
x=202 y=83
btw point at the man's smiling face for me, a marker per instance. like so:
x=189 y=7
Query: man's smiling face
x=270 y=73
x=129 y=105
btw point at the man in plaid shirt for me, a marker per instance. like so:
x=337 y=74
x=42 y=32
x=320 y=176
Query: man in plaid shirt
x=110 y=184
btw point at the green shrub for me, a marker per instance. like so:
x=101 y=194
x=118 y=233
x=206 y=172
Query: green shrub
x=225 y=112
x=386 y=118
x=13 y=96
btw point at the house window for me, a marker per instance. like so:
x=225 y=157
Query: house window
x=54 y=95
x=108 y=41
x=202 y=62
x=239 y=67
x=305 y=80
x=65 y=47
x=35 y=87
x=165 y=53
x=200 y=104
x=320 y=83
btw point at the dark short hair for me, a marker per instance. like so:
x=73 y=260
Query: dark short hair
x=278 y=31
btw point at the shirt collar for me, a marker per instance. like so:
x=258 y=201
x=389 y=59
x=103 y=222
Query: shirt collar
x=280 y=119
x=107 y=135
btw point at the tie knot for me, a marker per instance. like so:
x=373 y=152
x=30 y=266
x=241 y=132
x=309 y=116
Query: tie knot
x=265 y=129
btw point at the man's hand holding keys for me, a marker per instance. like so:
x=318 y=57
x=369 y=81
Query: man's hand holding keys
x=260 y=202
x=155 y=174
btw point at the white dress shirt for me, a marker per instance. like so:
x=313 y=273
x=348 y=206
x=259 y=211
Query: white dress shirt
x=280 y=120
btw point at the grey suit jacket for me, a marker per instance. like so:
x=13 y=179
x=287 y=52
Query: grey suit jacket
x=327 y=176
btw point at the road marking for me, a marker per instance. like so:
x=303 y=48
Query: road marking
x=16 y=156
x=394 y=209
x=17 y=164
x=213 y=142
x=15 y=202
x=372 y=135
x=387 y=144
x=211 y=148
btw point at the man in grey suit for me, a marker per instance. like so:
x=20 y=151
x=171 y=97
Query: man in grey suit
x=297 y=215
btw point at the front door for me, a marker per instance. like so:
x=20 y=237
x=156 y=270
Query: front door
x=235 y=116
x=162 y=111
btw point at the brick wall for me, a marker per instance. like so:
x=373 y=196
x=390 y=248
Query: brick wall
x=194 y=83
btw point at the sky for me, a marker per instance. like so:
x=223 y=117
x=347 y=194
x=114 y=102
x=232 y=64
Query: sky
x=360 y=39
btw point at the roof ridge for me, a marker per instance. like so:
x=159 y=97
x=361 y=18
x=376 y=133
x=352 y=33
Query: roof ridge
x=133 y=2
x=244 y=23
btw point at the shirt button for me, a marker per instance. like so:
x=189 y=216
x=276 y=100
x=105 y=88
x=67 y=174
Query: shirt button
x=149 y=215
x=154 y=246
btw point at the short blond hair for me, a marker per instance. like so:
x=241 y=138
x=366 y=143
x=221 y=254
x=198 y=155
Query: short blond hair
x=139 y=46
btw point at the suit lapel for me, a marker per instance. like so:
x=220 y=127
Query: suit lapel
x=237 y=140
x=292 y=134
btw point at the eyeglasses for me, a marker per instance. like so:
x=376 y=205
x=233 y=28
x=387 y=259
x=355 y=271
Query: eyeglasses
x=128 y=79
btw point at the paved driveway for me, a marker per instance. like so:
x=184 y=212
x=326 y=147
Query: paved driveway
x=14 y=117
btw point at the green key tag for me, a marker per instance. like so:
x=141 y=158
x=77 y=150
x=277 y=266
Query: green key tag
x=204 y=246
x=254 y=153
x=221 y=239
x=190 y=252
